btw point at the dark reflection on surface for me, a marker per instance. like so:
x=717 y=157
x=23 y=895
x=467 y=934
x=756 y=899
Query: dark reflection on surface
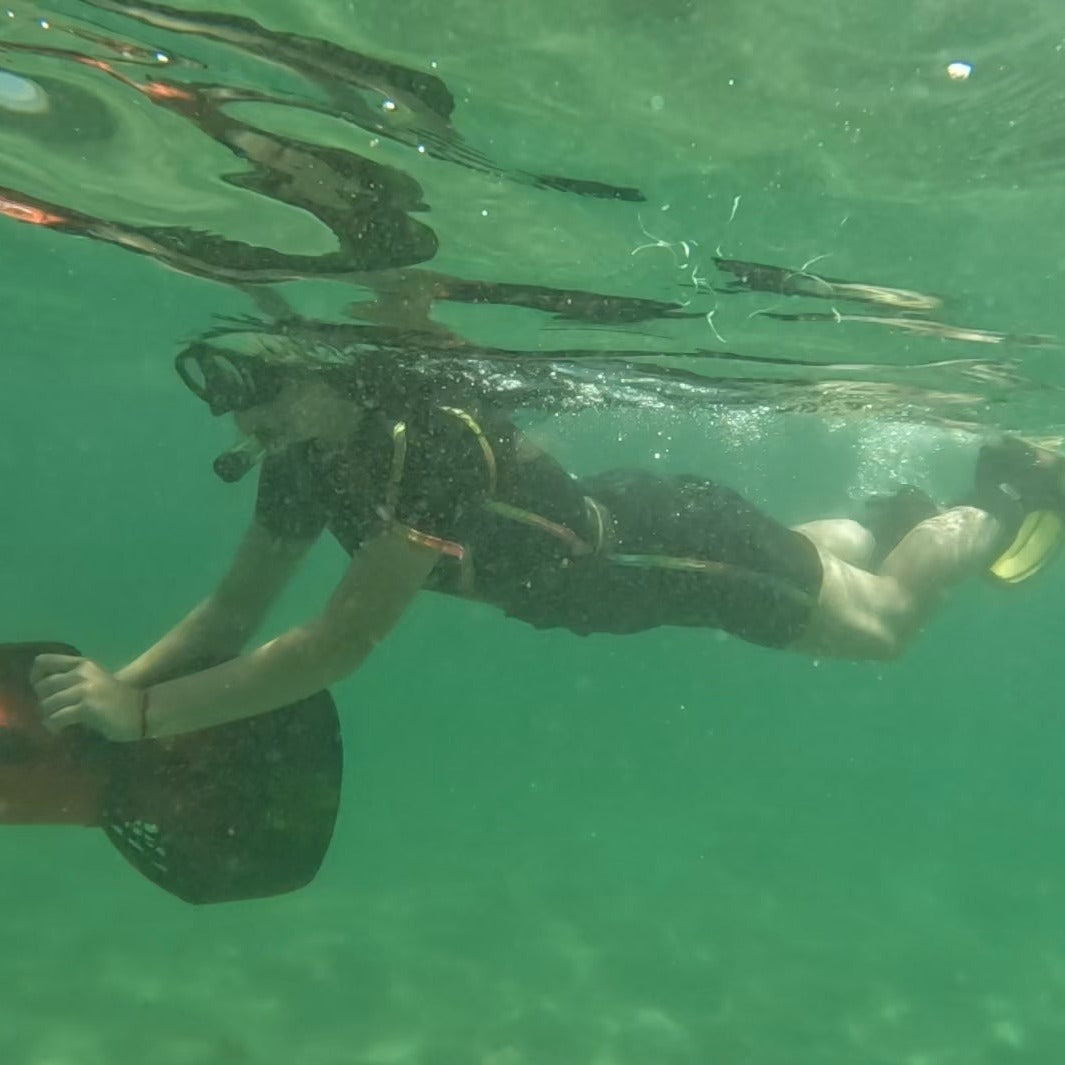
x=82 y=82
x=361 y=89
x=365 y=203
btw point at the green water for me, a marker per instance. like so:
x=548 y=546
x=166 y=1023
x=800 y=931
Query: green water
x=667 y=849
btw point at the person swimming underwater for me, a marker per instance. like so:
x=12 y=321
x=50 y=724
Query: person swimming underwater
x=425 y=493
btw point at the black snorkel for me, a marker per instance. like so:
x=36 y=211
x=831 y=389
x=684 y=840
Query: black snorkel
x=234 y=464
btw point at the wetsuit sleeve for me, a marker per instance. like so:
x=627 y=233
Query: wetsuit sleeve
x=446 y=476
x=289 y=502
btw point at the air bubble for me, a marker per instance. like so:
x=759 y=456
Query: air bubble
x=21 y=95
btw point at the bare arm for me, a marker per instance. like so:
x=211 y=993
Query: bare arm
x=220 y=626
x=376 y=588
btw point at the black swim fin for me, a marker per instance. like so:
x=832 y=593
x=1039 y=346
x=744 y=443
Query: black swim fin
x=241 y=811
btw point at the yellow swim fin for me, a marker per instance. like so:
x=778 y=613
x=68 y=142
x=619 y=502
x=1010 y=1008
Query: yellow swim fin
x=1038 y=540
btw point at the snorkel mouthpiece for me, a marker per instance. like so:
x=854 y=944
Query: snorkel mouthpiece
x=234 y=464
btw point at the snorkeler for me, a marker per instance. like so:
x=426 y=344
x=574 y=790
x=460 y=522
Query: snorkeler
x=425 y=490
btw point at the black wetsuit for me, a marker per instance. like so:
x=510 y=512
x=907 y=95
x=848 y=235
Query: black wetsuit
x=618 y=552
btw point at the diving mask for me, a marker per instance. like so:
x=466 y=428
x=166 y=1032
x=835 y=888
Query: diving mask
x=228 y=381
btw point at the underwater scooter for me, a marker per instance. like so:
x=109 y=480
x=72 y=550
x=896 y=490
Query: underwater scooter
x=240 y=811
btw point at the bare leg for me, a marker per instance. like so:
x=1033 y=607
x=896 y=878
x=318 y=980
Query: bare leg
x=943 y=550
x=866 y=615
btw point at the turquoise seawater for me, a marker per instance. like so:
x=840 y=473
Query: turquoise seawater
x=666 y=849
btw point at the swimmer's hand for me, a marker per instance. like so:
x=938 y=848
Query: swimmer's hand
x=75 y=691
